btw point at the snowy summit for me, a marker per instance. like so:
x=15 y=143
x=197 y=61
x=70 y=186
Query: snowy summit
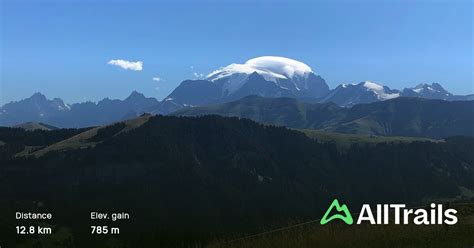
x=382 y=93
x=271 y=68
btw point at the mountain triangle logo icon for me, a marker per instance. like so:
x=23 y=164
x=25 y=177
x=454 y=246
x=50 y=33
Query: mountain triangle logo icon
x=345 y=216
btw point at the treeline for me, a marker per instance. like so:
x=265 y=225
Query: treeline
x=15 y=140
x=36 y=137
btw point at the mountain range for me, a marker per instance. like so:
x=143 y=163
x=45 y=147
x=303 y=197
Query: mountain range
x=270 y=76
x=267 y=76
x=348 y=95
x=55 y=112
x=402 y=116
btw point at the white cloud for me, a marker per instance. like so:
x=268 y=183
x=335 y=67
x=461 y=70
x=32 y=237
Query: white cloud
x=199 y=75
x=157 y=79
x=127 y=65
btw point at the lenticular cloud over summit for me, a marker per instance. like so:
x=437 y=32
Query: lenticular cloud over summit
x=270 y=67
x=268 y=76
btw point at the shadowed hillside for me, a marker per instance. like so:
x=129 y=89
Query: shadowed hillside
x=415 y=117
x=212 y=176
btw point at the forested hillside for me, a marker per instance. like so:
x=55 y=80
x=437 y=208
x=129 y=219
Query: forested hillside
x=207 y=176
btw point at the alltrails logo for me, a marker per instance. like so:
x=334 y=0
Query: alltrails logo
x=401 y=215
x=346 y=217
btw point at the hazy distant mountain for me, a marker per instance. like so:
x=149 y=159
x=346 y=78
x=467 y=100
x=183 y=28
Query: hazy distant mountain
x=105 y=111
x=33 y=109
x=434 y=91
x=54 y=112
x=398 y=116
x=194 y=92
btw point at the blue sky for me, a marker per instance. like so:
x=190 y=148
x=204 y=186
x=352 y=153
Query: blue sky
x=61 y=48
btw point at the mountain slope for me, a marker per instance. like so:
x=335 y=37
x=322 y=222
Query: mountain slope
x=236 y=174
x=35 y=126
x=410 y=117
x=396 y=117
x=277 y=111
x=93 y=136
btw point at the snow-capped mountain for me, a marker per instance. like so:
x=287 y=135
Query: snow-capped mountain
x=267 y=76
x=347 y=95
x=271 y=76
x=433 y=91
x=290 y=76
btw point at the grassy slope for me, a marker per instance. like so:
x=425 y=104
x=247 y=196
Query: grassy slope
x=82 y=140
x=339 y=235
x=344 y=141
x=35 y=126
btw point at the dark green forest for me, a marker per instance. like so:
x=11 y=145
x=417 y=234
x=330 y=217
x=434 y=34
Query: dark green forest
x=188 y=180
